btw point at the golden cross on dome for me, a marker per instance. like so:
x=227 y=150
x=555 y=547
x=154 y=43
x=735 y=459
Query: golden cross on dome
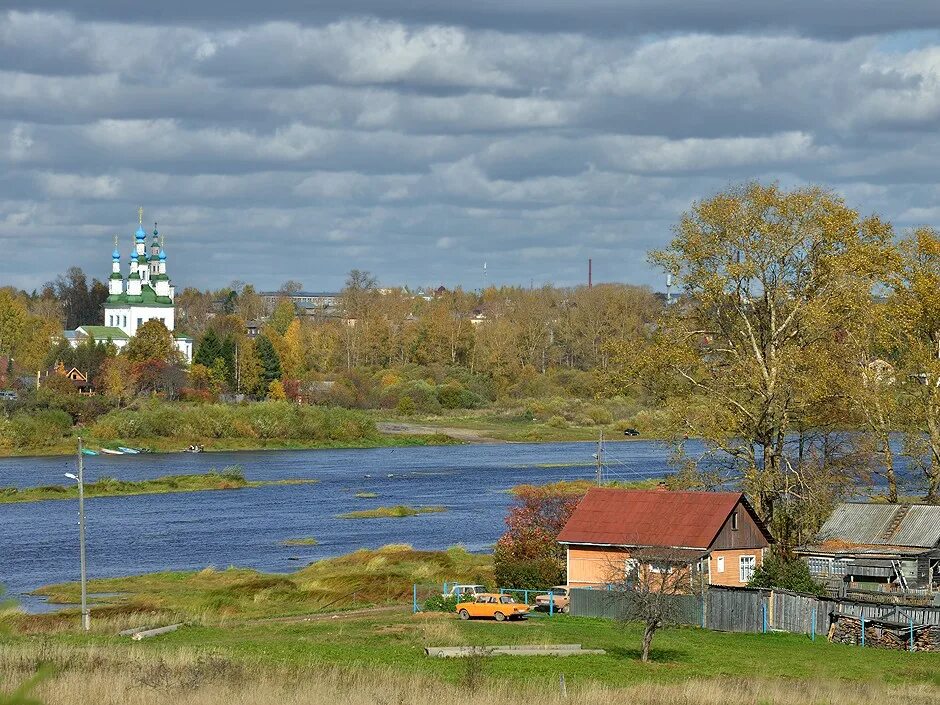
x=140 y=215
x=115 y=242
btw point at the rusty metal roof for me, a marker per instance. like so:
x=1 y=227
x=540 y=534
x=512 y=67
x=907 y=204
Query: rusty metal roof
x=613 y=517
x=883 y=525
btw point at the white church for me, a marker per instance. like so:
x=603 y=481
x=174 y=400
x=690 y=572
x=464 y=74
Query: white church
x=146 y=295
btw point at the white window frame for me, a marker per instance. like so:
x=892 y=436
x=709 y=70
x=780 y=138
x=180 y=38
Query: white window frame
x=747 y=564
x=720 y=564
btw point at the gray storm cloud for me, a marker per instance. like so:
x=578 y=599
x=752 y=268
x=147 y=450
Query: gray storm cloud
x=273 y=142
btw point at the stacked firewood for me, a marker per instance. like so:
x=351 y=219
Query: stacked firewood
x=846 y=629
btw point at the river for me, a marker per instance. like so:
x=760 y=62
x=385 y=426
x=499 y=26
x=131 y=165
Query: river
x=246 y=527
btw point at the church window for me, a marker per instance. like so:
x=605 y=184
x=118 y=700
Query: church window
x=140 y=322
x=125 y=321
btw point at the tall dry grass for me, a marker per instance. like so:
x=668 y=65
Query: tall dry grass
x=131 y=676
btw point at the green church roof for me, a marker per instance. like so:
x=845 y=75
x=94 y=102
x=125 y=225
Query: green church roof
x=103 y=332
x=147 y=297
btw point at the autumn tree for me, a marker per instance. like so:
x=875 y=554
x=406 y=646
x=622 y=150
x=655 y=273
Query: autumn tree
x=81 y=303
x=770 y=279
x=528 y=554
x=914 y=305
x=152 y=342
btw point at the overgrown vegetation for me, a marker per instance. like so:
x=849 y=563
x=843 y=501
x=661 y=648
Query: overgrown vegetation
x=362 y=578
x=231 y=478
x=399 y=510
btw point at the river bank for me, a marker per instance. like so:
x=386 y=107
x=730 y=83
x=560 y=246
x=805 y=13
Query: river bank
x=390 y=434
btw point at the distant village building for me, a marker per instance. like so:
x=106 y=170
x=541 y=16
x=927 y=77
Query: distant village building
x=146 y=295
x=78 y=378
x=309 y=302
x=717 y=532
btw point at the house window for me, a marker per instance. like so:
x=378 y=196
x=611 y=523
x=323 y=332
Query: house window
x=746 y=568
x=721 y=564
x=734 y=521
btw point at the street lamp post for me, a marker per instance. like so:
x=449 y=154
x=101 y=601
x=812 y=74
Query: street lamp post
x=86 y=617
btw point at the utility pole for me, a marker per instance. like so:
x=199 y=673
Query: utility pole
x=86 y=617
x=599 y=457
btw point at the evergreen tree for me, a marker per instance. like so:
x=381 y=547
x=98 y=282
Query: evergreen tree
x=209 y=349
x=227 y=355
x=270 y=362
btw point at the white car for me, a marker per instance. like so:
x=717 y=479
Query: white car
x=459 y=590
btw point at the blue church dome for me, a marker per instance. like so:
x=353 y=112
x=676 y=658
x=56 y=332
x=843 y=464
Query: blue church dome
x=141 y=235
x=115 y=255
x=162 y=255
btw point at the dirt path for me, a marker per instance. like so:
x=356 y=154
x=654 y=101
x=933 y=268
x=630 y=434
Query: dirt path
x=464 y=434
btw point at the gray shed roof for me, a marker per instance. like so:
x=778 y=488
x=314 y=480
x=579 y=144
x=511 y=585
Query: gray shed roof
x=915 y=525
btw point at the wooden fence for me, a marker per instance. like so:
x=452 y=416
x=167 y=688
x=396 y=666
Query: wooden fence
x=753 y=610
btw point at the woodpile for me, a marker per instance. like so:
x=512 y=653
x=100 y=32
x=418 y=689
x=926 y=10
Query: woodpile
x=883 y=634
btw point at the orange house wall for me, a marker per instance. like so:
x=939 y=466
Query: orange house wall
x=590 y=565
x=732 y=575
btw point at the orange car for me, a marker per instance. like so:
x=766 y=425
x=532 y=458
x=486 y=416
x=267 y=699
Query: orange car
x=493 y=606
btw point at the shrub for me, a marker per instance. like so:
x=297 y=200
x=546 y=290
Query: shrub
x=557 y=422
x=38 y=429
x=440 y=603
x=786 y=573
x=531 y=574
x=599 y=415
x=406 y=406
x=453 y=395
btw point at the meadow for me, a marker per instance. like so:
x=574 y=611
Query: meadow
x=341 y=630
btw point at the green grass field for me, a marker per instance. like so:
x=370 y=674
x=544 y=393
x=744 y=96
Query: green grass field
x=397 y=640
x=246 y=634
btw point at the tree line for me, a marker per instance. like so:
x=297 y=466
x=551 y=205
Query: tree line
x=803 y=350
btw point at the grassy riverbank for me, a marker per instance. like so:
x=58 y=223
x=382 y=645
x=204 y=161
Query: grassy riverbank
x=362 y=578
x=227 y=479
x=263 y=639
x=173 y=426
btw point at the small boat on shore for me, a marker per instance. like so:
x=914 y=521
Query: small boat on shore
x=129 y=451
x=89 y=451
x=111 y=451
x=193 y=449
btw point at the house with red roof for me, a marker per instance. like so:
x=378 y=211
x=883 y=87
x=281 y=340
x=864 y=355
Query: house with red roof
x=719 y=532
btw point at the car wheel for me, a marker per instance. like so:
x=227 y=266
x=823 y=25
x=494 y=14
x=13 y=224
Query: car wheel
x=464 y=614
x=499 y=616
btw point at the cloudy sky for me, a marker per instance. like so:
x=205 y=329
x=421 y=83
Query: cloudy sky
x=419 y=139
